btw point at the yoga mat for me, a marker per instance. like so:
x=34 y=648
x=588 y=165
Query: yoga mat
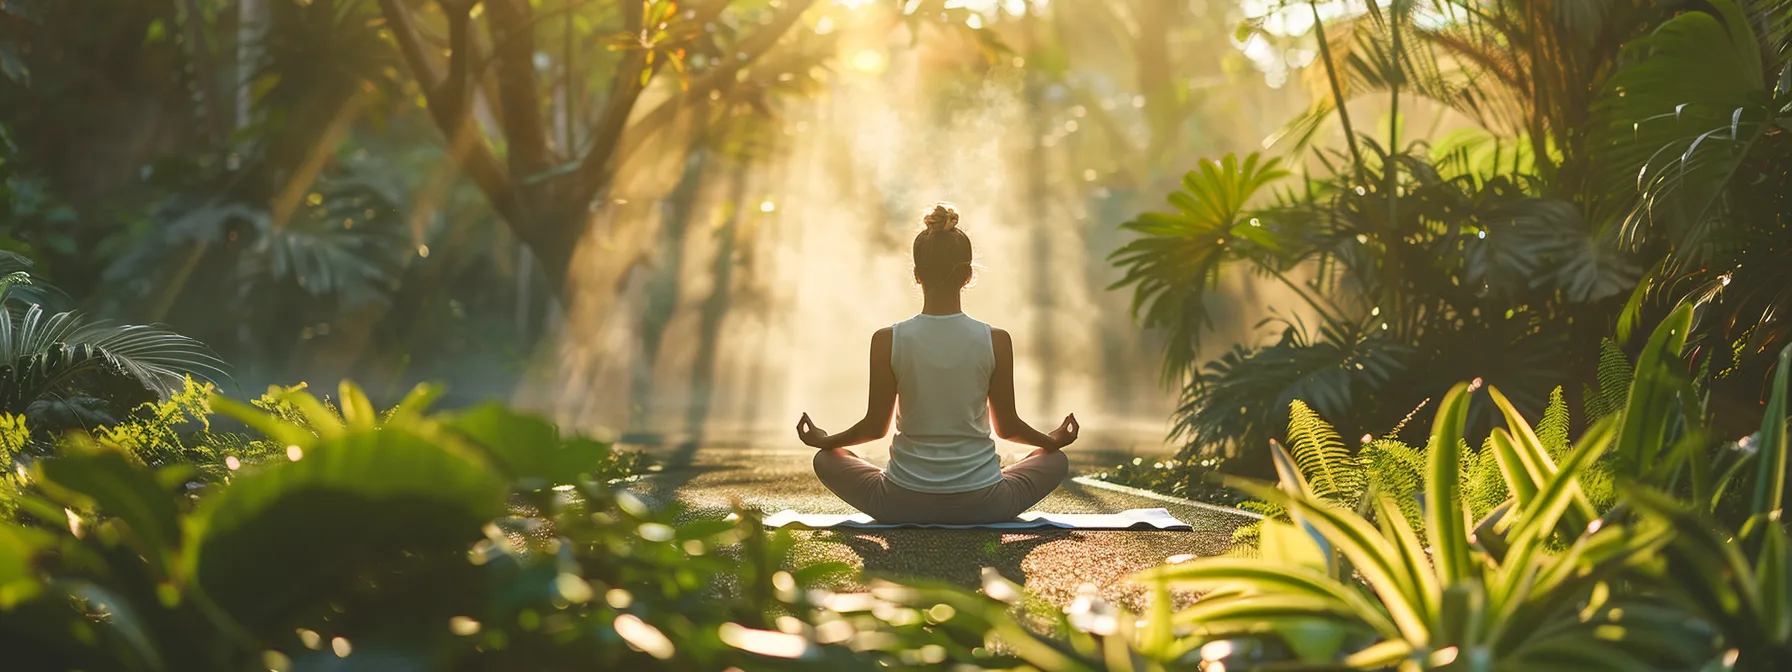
x=1130 y=519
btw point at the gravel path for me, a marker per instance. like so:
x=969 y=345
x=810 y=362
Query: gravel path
x=1053 y=565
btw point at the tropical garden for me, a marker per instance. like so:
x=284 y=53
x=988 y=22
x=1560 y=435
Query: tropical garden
x=499 y=264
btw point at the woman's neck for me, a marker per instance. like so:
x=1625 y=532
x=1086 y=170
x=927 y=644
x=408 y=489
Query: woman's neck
x=941 y=303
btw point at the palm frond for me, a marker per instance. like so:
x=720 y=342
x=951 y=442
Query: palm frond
x=1675 y=124
x=1176 y=260
x=1241 y=399
x=158 y=358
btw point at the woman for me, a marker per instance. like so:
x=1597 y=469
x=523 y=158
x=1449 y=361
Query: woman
x=953 y=376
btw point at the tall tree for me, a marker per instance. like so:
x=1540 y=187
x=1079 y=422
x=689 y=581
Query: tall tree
x=542 y=191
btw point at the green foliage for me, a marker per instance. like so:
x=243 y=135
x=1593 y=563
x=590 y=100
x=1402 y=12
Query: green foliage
x=1483 y=483
x=1695 y=158
x=14 y=438
x=1417 y=278
x=69 y=372
x=393 y=534
x=1552 y=430
x=1614 y=376
x=178 y=431
x=1330 y=469
x=1429 y=596
x=1177 y=260
x=1737 y=579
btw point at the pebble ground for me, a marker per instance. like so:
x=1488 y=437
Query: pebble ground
x=1052 y=565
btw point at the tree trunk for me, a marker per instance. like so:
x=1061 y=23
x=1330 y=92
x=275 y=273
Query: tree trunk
x=549 y=209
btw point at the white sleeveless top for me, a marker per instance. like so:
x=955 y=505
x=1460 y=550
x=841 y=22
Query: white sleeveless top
x=942 y=365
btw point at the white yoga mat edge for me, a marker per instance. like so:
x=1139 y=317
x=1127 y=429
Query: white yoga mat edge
x=1130 y=519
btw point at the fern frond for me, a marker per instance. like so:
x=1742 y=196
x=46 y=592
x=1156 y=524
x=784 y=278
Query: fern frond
x=1331 y=470
x=1395 y=469
x=1483 y=485
x=1398 y=471
x=1599 y=485
x=1247 y=534
x=1592 y=406
x=1553 y=429
x=1614 y=374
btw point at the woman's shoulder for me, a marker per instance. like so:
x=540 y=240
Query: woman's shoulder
x=999 y=336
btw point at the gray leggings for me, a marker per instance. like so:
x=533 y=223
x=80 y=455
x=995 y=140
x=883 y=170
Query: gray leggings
x=864 y=486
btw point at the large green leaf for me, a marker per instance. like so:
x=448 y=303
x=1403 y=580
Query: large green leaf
x=276 y=539
x=90 y=475
x=529 y=446
x=1371 y=555
x=1534 y=455
x=1255 y=576
x=18 y=549
x=1677 y=122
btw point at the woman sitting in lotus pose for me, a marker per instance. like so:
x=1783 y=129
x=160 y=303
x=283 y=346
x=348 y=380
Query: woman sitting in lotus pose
x=948 y=377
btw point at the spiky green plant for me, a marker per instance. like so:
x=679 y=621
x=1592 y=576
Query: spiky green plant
x=1739 y=579
x=1440 y=597
x=1383 y=465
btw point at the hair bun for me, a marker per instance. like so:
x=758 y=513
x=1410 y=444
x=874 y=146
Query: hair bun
x=942 y=218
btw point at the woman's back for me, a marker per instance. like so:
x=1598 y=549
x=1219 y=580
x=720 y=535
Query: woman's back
x=942 y=365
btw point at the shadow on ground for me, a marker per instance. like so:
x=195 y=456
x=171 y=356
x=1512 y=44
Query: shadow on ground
x=952 y=556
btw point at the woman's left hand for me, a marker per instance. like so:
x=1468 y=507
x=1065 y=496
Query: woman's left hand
x=1066 y=433
x=808 y=433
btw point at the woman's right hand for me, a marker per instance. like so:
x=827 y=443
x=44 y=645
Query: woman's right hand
x=808 y=433
x=1066 y=432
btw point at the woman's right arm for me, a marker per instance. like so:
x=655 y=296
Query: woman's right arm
x=1008 y=424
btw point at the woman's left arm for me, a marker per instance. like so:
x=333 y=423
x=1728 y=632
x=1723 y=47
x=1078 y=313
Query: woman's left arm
x=879 y=405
